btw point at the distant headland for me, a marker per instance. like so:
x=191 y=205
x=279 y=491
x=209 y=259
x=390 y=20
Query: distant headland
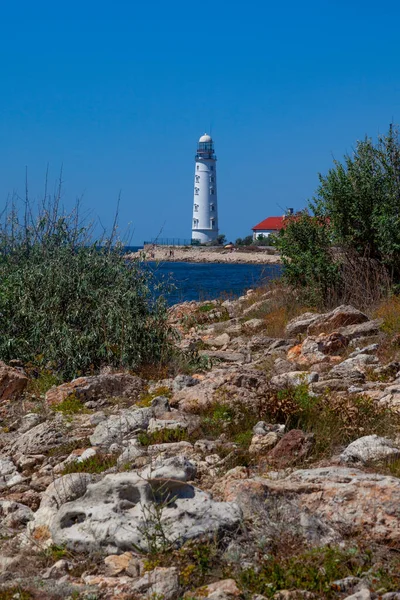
x=207 y=254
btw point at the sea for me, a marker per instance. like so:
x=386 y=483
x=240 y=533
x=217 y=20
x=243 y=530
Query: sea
x=208 y=281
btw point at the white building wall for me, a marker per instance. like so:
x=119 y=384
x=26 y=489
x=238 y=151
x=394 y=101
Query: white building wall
x=264 y=233
x=205 y=207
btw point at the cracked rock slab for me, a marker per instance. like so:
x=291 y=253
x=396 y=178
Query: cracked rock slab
x=125 y=512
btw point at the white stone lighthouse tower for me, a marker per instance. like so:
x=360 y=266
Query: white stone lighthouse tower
x=205 y=208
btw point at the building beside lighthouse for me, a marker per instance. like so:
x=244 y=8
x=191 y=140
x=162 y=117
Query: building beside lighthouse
x=205 y=207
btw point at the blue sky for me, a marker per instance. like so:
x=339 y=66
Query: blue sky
x=119 y=92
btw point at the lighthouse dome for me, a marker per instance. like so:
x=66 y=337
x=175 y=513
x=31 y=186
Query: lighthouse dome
x=205 y=138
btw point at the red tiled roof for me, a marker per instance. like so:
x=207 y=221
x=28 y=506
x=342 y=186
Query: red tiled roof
x=275 y=223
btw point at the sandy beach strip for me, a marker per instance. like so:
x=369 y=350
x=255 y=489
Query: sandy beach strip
x=204 y=255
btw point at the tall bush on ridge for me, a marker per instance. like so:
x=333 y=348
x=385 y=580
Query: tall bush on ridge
x=358 y=201
x=71 y=303
x=361 y=197
x=305 y=246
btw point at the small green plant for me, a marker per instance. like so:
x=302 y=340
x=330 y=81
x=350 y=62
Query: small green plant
x=196 y=561
x=68 y=447
x=335 y=421
x=244 y=438
x=70 y=406
x=206 y=307
x=16 y=593
x=163 y=436
x=234 y=421
x=94 y=464
x=41 y=380
x=146 y=398
x=312 y=570
x=56 y=552
x=155 y=532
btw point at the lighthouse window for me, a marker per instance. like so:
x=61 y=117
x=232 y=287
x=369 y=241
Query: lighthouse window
x=196 y=191
x=197 y=178
x=211 y=167
x=195 y=222
x=198 y=167
x=196 y=208
x=212 y=207
x=212 y=223
x=212 y=191
x=212 y=179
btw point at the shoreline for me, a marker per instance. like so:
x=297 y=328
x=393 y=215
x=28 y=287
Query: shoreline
x=204 y=255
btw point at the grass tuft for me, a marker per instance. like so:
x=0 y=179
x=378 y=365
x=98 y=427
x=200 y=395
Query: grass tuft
x=70 y=406
x=94 y=464
x=163 y=436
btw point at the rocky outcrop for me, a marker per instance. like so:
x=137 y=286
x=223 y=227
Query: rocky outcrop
x=124 y=511
x=342 y=316
x=274 y=489
x=300 y=324
x=12 y=382
x=343 y=501
x=292 y=448
x=293 y=379
x=118 y=427
x=370 y=448
x=99 y=386
x=161 y=582
x=41 y=438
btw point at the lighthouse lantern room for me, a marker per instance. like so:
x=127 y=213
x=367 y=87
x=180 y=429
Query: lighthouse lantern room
x=205 y=208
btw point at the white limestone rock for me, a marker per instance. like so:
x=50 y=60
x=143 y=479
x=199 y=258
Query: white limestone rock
x=119 y=512
x=177 y=468
x=293 y=378
x=117 y=427
x=370 y=448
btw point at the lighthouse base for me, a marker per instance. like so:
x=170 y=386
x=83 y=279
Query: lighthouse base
x=205 y=236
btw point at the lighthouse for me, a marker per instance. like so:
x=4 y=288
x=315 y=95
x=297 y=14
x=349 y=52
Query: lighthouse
x=205 y=208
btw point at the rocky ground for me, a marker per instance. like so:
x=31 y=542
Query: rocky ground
x=267 y=466
x=198 y=254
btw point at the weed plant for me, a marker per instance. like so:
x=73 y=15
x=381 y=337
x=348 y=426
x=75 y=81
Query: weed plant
x=70 y=406
x=146 y=398
x=94 y=464
x=163 y=436
x=74 y=301
x=311 y=570
x=41 y=380
x=335 y=421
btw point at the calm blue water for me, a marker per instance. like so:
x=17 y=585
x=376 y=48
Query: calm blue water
x=201 y=281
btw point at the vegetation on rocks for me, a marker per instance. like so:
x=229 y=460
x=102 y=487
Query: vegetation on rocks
x=254 y=450
x=345 y=248
x=73 y=303
x=93 y=464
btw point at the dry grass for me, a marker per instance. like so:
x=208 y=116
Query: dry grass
x=279 y=304
x=389 y=311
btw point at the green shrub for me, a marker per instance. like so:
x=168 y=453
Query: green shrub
x=235 y=422
x=206 y=307
x=94 y=464
x=41 y=380
x=313 y=570
x=335 y=421
x=70 y=406
x=309 y=265
x=347 y=249
x=146 y=398
x=163 y=436
x=77 y=303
